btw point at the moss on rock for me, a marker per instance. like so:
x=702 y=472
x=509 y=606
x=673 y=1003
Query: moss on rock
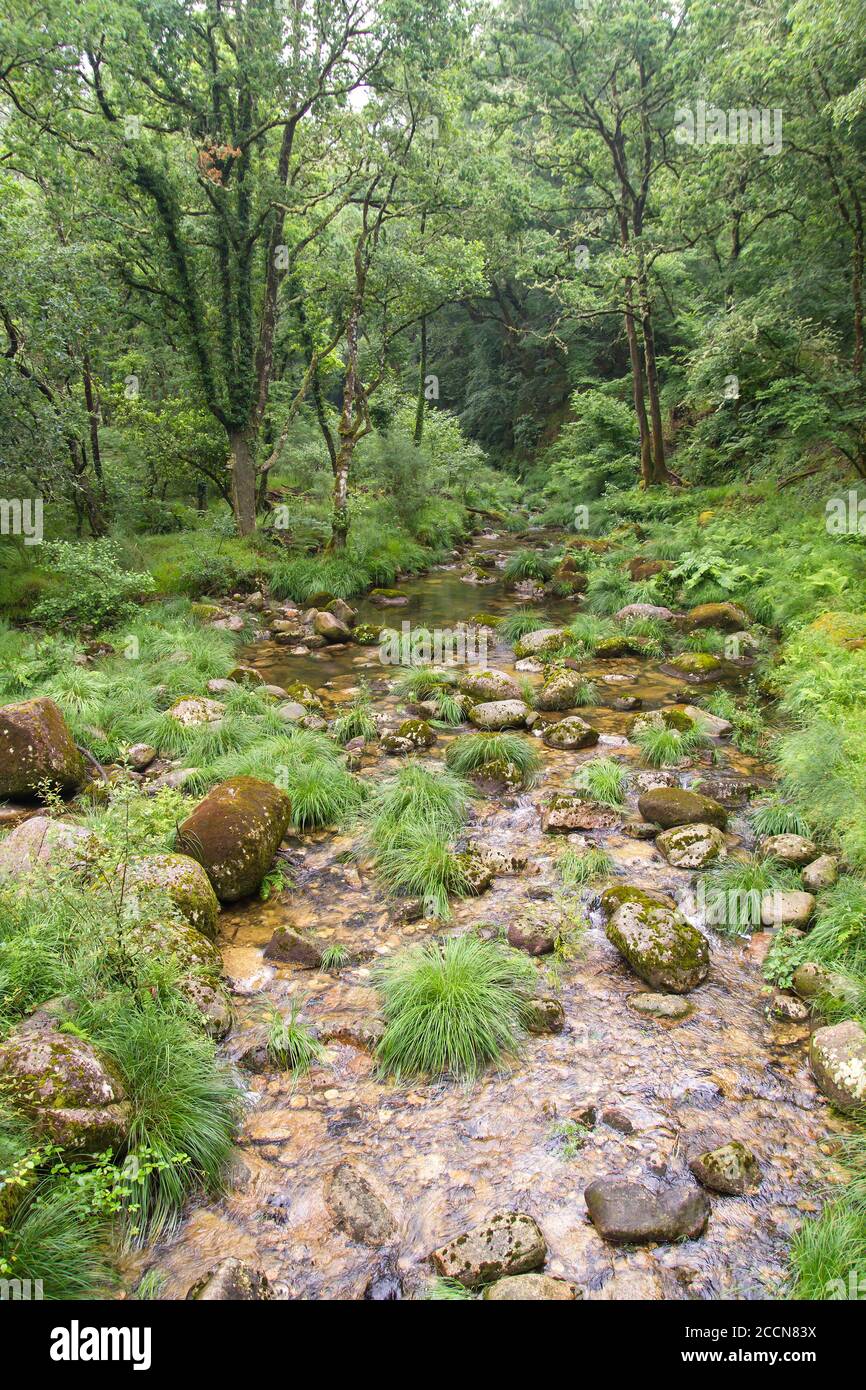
x=235 y=832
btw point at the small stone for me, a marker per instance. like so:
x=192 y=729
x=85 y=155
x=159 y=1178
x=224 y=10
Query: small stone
x=509 y=1242
x=732 y=1169
x=691 y=846
x=670 y=1007
x=570 y=733
x=140 y=756
x=821 y=873
x=357 y=1209
x=545 y=1014
x=533 y=937
x=290 y=947
x=231 y=1281
x=788 y=1009
x=530 y=1288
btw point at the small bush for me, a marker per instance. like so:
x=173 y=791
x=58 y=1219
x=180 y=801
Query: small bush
x=96 y=591
x=469 y=752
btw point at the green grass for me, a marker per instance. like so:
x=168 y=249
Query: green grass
x=579 y=868
x=446 y=1291
x=667 y=747
x=419 y=862
x=519 y=622
x=528 y=564
x=777 y=817
x=586 y=631
x=291 y=1043
x=416 y=683
x=452 y=1008
x=54 y=1235
x=604 y=779
x=469 y=752
x=416 y=798
x=826 y=1249
x=357 y=721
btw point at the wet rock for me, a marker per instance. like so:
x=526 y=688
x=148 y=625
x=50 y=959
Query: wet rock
x=630 y=1286
x=567 y=811
x=727 y=617
x=212 y=1004
x=530 y=1288
x=670 y=806
x=795 y=850
x=570 y=733
x=838 y=1058
x=652 y=777
x=275 y=691
x=343 y=610
x=535 y=938
x=730 y=792
x=669 y=1007
x=645 y=610
x=788 y=1009
x=636 y=828
x=385 y=1284
x=641 y=568
x=695 y=667
x=711 y=724
x=234 y=623
x=291 y=712
x=544 y=1014
x=821 y=873
x=331 y=628
x=389 y=598
x=72 y=1094
x=357 y=1209
x=627 y=1212
x=193 y=952
x=499 y=714
x=290 y=947
x=245 y=675
x=691 y=846
x=196 y=709
x=140 y=756
x=412 y=734
x=485 y=686
x=660 y=946
x=367 y=634
x=627 y=702
x=619 y=893
x=811 y=980
x=794 y=909
x=509 y=1242
x=731 y=1169
x=183 y=881
x=231 y=1281
x=235 y=832
x=560 y=691
x=37 y=747
x=544 y=642
x=52 y=844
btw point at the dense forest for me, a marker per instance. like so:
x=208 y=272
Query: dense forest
x=432 y=649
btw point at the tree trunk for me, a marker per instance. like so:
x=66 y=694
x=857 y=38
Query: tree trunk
x=659 y=467
x=340 y=514
x=422 y=383
x=243 y=482
x=638 y=395
x=92 y=404
x=857 y=294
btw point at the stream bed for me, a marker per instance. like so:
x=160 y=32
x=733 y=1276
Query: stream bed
x=444 y=1156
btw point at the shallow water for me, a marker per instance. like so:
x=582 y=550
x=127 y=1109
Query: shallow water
x=444 y=1156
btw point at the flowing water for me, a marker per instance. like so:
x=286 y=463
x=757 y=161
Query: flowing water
x=444 y=1156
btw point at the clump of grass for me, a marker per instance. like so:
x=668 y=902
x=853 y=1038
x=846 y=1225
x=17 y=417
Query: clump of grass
x=334 y=957
x=422 y=683
x=291 y=1043
x=419 y=862
x=777 y=817
x=54 y=1235
x=604 y=779
x=357 y=721
x=441 y=1290
x=322 y=793
x=569 y=1137
x=416 y=798
x=521 y=621
x=733 y=892
x=608 y=590
x=453 y=1008
x=578 y=868
x=450 y=708
x=663 y=747
x=528 y=564
x=585 y=632
x=469 y=752
x=838 y=938
x=826 y=1249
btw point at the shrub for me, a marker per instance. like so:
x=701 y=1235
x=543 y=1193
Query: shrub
x=452 y=1008
x=96 y=591
x=528 y=564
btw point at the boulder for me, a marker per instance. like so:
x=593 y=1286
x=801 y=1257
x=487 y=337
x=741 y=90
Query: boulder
x=196 y=956
x=570 y=733
x=535 y=938
x=645 y=610
x=72 y=1094
x=691 y=846
x=619 y=893
x=343 y=610
x=245 y=675
x=544 y=642
x=660 y=946
x=731 y=1169
x=695 y=667
x=794 y=850
x=291 y=947
x=389 y=598
x=560 y=691
x=641 y=568
x=567 y=811
x=530 y=1288
x=786 y=909
x=489 y=685
x=291 y=712
x=821 y=873
x=183 y=881
x=633 y=1213
x=499 y=714
x=235 y=832
x=838 y=1058
x=811 y=980
x=140 y=756
x=37 y=748
x=411 y=735
x=196 y=709
x=357 y=1209
x=727 y=617
x=669 y=806
x=54 y=844
x=509 y=1242
x=231 y=1281
x=330 y=627
x=711 y=724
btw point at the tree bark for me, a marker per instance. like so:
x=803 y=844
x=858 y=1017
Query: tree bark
x=243 y=482
x=422 y=383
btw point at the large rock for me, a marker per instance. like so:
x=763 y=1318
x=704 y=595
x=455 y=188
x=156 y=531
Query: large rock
x=509 y=1242
x=499 y=714
x=231 y=1281
x=695 y=667
x=52 y=844
x=195 y=955
x=195 y=710
x=660 y=946
x=786 y=909
x=632 y=1213
x=570 y=733
x=535 y=938
x=541 y=643
x=794 y=850
x=821 y=873
x=838 y=1058
x=561 y=690
x=728 y=617
x=567 y=811
x=36 y=747
x=71 y=1093
x=357 y=1209
x=329 y=626
x=811 y=980
x=711 y=724
x=530 y=1288
x=645 y=610
x=731 y=1169
x=489 y=685
x=619 y=893
x=669 y=806
x=691 y=846
x=183 y=881
x=235 y=832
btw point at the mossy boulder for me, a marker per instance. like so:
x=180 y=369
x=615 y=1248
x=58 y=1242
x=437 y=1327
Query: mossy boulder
x=660 y=946
x=838 y=1058
x=821 y=873
x=389 y=598
x=668 y=806
x=303 y=695
x=329 y=626
x=36 y=748
x=489 y=685
x=691 y=846
x=175 y=938
x=793 y=850
x=571 y=733
x=619 y=893
x=544 y=642
x=509 y=1242
x=840 y=628
x=812 y=981
x=411 y=735
x=610 y=647
x=727 y=617
x=196 y=709
x=497 y=774
x=668 y=1008
x=367 y=634
x=183 y=881
x=641 y=568
x=560 y=690
x=72 y=1094
x=231 y=1281
x=499 y=714
x=235 y=832
x=567 y=811
x=52 y=845
x=731 y=1169
x=673 y=718
x=245 y=675
x=696 y=667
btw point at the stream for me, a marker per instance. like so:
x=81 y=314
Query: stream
x=444 y=1156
